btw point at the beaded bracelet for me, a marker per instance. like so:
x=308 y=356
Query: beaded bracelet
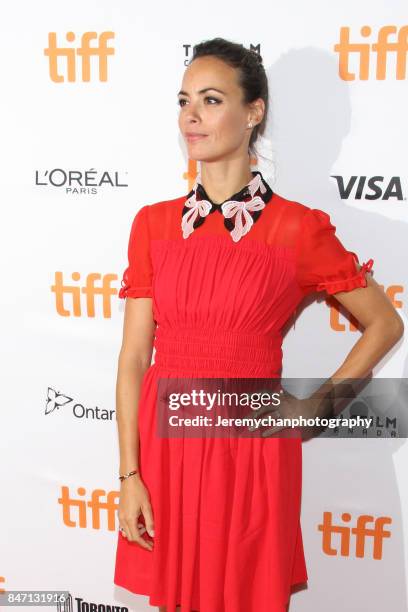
x=128 y=474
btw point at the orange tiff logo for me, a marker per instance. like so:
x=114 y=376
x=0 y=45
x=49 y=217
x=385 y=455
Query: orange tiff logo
x=62 y=289
x=382 y=49
x=84 y=51
x=360 y=534
x=86 y=512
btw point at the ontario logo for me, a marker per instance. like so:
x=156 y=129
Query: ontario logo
x=56 y=400
x=79 y=182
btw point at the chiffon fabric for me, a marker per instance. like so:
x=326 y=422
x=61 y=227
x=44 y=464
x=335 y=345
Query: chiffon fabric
x=226 y=510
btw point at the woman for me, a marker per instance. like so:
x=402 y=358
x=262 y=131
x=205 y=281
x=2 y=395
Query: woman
x=213 y=524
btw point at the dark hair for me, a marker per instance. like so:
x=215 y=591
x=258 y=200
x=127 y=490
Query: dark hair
x=251 y=73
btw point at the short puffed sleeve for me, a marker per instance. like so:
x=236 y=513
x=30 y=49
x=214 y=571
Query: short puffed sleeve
x=137 y=278
x=322 y=262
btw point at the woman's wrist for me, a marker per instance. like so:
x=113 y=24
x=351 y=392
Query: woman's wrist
x=129 y=474
x=336 y=394
x=130 y=482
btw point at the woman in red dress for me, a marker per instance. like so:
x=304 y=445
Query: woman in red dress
x=213 y=524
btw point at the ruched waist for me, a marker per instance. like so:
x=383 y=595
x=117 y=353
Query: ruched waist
x=218 y=352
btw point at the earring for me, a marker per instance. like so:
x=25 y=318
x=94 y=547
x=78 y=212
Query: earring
x=250 y=124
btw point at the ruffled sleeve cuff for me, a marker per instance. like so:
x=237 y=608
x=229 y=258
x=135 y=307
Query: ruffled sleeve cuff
x=349 y=283
x=323 y=262
x=127 y=290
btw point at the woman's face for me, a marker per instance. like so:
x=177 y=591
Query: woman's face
x=217 y=114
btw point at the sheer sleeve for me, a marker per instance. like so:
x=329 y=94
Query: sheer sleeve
x=137 y=277
x=322 y=262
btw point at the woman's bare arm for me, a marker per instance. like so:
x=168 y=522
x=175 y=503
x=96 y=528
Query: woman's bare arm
x=383 y=327
x=134 y=358
x=382 y=324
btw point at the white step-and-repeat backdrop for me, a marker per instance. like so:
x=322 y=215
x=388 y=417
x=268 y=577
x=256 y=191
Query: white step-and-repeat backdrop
x=89 y=135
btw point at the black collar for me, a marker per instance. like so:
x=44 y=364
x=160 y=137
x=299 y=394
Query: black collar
x=241 y=196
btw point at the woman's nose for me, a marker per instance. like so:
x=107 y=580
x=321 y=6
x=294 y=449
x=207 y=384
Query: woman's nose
x=192 y=112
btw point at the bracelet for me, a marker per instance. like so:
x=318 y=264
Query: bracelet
x=128 y=474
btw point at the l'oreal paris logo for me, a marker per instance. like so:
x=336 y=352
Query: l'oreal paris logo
x=79 y=182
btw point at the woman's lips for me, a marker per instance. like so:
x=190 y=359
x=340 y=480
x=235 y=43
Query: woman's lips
x=195 y=137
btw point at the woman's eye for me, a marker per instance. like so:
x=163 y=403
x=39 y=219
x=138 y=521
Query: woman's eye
x=181 y=101
x=211 y=98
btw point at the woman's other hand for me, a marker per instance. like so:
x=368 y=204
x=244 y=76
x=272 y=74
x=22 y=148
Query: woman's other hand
x=134 y=502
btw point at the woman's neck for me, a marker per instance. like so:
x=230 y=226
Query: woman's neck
x=220 y=183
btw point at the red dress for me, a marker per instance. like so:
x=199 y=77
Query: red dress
x=226 y=510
